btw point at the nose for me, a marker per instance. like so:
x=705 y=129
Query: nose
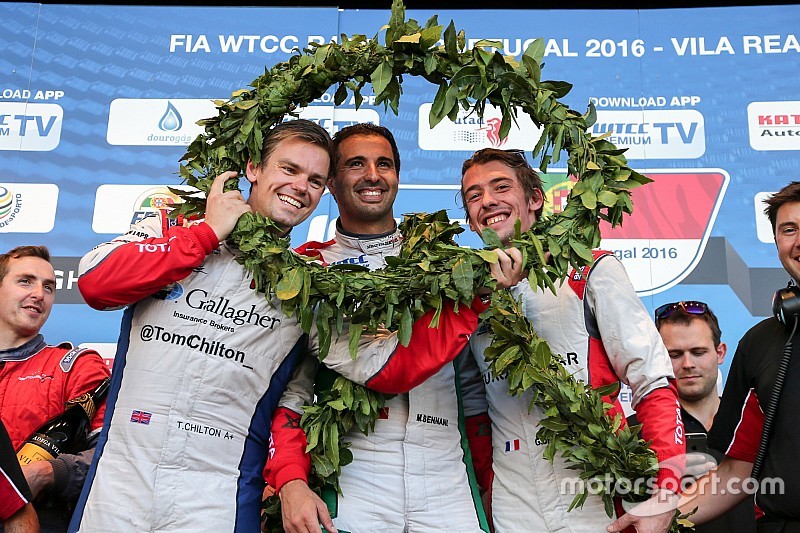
x=488 y=199
x=37 y=291
x=371 y=174
x=301 y=184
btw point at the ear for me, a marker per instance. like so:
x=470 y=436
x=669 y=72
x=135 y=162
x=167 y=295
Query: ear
x=331 y=183
x=473 y=226
x=536 y=200
x=251 y=171
x=722 y=349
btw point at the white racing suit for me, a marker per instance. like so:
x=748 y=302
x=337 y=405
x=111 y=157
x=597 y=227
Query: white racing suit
x=201 y=363
x=413 y=473
x=600 y=327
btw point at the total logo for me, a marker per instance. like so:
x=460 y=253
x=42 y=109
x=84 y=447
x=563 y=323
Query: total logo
x=30 y=127
x=654 y=134
x=156 y=122
x=774 y=125
x=27 y=207
x=471 y=132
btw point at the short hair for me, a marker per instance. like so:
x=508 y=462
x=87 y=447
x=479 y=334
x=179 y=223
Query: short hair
x=682 y=318
x=515 y=159
x=22 y=251
x=790 y=193
x=302 y=129
x=367 y=129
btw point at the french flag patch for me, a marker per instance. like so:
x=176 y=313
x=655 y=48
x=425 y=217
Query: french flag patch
x=141 y=417
x=512 y=445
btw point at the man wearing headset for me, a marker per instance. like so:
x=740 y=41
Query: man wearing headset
x=740 y=420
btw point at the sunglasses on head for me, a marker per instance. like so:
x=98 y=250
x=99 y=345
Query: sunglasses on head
x=692 y=308
x=513 y=151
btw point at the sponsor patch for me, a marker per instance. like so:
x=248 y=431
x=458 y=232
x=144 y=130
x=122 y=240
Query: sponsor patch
x=69 y=358
x=141 y=417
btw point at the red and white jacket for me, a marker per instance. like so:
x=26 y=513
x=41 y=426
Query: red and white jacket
x=598 y=324
x=410 y=472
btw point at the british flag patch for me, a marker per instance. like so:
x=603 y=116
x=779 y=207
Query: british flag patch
x=141 y=417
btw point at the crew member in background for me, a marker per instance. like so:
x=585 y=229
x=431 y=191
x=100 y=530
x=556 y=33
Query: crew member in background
x=691 y=333
x=411 y=473
x=36 y=380
x=740 y=420
x=17 y=514
x=598 y=322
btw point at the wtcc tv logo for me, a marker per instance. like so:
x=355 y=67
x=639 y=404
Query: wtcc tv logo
x=30 y=127
x=654 y=134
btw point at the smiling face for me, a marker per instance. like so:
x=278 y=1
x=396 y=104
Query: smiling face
x=287 y=187
x=694 y=358
x=26 y=298
x=365 y=184
x=787 y=238
x=495 y=199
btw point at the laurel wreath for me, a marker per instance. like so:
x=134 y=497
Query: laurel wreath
x=431 y=268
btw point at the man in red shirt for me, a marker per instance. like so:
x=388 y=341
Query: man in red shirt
x=36 y=379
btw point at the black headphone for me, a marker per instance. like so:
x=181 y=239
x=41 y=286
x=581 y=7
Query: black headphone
x=786 y=304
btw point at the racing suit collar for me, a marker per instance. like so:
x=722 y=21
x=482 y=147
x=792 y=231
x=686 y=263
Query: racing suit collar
x=20 y=353
x=369 y=243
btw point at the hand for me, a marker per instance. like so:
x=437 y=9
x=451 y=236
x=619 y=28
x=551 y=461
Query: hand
x=508 y=269
x=698 y=464
x=303 y=511
x=223 y=209
x=652 y=516
x=39 y=475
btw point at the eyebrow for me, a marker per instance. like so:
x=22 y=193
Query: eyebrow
x=34 y=276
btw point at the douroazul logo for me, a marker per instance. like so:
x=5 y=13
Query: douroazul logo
x=171 y=120
x=153 y=200
x=10 y=205
x=157 y=121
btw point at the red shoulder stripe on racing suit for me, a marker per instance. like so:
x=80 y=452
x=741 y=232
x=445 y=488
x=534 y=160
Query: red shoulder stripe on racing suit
x=312 y=249
x=429 y=350
x=659 y=411
x=286 y=439
x=747 y=436
x=137 y=269
x=409 y=366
